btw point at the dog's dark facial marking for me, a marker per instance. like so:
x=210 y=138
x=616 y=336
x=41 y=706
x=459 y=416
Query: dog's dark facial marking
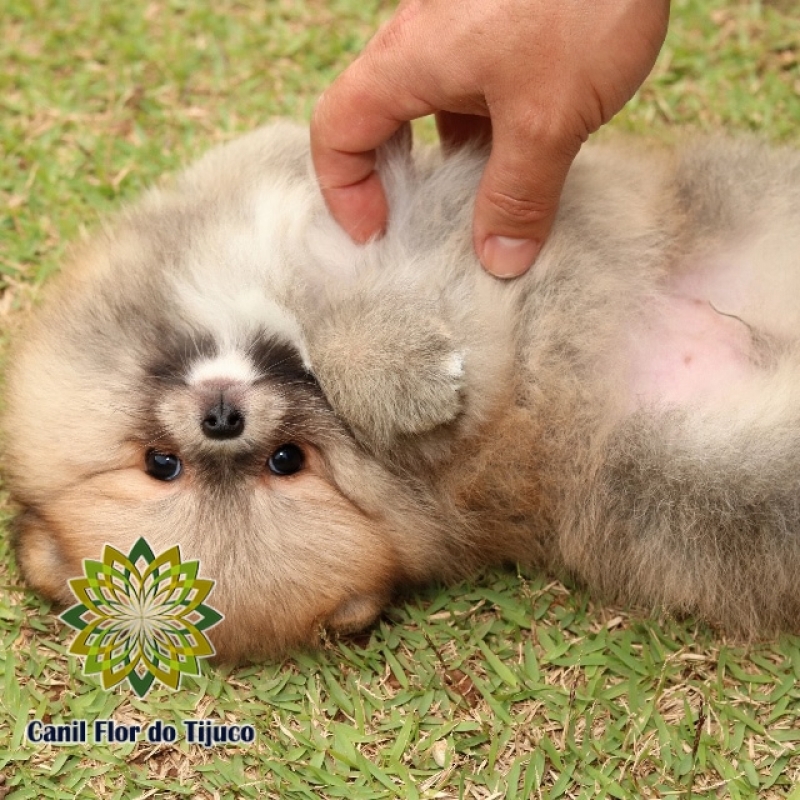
x=175 y=352
x=279 y=361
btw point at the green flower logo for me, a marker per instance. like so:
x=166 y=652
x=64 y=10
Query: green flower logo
x=141 y=617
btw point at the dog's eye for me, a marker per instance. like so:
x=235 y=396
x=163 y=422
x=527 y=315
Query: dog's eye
x=286 y=460
x=162 y=466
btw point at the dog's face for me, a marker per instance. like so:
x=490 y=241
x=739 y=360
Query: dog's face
x=234 y=456
x=134 y=410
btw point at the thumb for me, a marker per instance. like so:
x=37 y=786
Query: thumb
x=518 y=197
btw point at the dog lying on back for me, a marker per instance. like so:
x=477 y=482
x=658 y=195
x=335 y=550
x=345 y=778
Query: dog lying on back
x=321 y=423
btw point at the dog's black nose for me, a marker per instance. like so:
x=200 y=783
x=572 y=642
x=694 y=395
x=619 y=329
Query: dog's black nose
x=223 y=421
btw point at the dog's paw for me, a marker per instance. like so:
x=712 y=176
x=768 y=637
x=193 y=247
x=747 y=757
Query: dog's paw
x=427 y=390
x=389 y=372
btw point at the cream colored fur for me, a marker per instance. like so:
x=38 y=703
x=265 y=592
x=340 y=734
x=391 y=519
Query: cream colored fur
x=628 y=413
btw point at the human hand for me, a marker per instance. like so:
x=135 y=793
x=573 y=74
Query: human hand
x=538 y=76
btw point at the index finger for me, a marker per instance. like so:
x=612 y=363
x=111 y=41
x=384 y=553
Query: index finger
x=360 y=111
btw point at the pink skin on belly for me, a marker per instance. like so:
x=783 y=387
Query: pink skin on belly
x=687 y=353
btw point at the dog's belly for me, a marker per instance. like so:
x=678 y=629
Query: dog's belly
x=688 y=351
x=706 y=333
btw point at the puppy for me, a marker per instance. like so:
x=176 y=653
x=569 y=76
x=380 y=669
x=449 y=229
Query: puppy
x=321 y=423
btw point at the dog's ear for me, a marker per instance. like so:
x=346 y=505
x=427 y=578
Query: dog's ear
x=356 y=613
x=40 y=557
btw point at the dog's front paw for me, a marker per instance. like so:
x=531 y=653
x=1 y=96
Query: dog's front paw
x=388 y=371
x=426 y=389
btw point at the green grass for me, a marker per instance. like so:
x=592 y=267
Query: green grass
x=511 y=686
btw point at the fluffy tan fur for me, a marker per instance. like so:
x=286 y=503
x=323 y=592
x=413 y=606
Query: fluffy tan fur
x=627 y=413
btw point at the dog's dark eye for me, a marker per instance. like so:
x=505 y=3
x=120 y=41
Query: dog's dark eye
x=162 y=466
x=286 y=460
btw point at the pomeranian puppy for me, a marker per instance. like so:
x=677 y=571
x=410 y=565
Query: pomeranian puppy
x=321 y=423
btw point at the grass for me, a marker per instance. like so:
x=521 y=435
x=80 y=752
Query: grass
x=511 y=686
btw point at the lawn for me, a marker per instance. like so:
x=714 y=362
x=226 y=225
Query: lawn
x=510 y=686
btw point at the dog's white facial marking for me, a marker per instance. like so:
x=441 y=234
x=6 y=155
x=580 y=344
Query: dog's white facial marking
x=228 y=367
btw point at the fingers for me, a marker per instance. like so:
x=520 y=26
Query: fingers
x=534 y=77
x=519 y=194
x=344 y=159
x=360 y=111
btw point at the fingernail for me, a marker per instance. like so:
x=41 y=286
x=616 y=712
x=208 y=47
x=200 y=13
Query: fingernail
x=506 y=257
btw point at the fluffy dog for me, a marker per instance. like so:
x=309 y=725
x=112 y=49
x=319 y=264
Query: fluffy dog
x=320 y=422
